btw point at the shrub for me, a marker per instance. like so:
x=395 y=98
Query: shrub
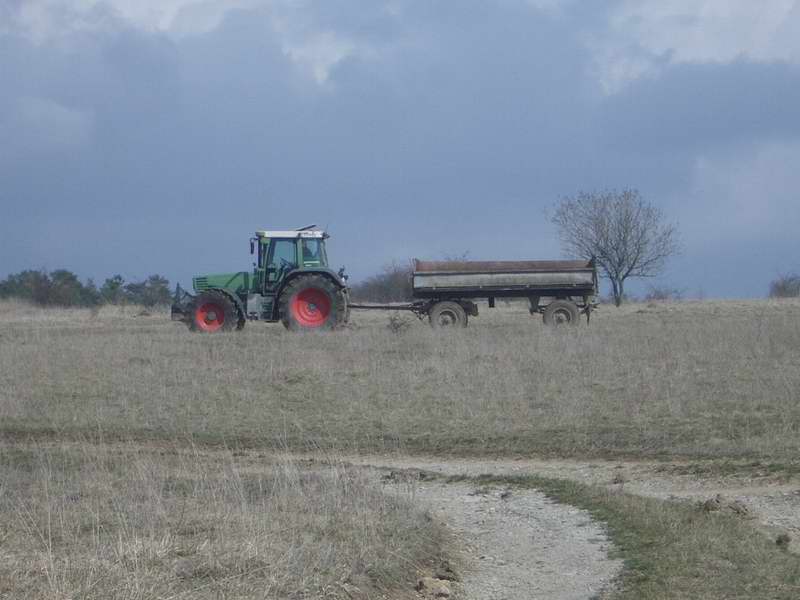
x=398 y=323
x=392 y=284
x=661 y=293
x=30 y=285
x=63 y=288
x=785 y=286
x=59 y=288
x=153 y=291
x=113 y=290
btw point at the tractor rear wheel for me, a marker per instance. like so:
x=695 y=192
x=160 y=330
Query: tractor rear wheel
x=313 y=302
x=447 y=314
x=561 y=312
x=213 y=312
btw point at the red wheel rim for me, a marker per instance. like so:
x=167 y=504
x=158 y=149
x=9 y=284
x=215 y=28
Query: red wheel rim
x=209 y=316
x=311 y=307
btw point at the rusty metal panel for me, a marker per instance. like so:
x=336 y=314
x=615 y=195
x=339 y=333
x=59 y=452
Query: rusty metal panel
x=499 y=266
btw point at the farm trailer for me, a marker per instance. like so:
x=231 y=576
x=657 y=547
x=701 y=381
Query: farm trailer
x=446 y=291
x=291 y=282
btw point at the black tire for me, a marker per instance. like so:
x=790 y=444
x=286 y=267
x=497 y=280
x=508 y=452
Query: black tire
x=312 y=302
x=447 y=314
x=561 y=312
x=213 y=312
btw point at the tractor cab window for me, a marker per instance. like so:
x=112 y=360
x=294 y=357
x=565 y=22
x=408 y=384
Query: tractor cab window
x=282 y=258
x=313 y=253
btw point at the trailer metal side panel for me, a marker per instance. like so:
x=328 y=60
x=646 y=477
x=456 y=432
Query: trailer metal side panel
x=504 y=278
x=423 y=282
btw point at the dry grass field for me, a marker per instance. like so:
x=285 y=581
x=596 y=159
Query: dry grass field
x=96 y=521
x=705 y=379
x=137 y=460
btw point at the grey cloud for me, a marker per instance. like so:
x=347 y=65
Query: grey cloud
x=697 y=106
x=42 y=127
x=456 y=131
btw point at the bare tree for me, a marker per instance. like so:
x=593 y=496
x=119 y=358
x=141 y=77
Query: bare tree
x=627 y=236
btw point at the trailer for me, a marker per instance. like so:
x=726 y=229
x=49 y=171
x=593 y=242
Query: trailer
x=446 y=292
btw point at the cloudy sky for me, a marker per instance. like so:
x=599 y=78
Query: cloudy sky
x=154 y=136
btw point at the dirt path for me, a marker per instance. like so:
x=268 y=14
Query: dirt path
x=771 y=502
x=518 y=544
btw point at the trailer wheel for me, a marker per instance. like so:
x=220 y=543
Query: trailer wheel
x=447 y=314
x=561 y=312
x=312 y=302
x=213 y=312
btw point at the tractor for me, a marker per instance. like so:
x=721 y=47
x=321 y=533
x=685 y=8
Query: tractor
x=290 y=282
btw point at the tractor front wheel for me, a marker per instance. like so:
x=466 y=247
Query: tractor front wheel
x=313 y=302
x=213 y=312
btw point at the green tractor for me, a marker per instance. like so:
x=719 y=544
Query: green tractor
x=290 y=282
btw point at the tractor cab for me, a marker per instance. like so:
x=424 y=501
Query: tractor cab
x=280 y=252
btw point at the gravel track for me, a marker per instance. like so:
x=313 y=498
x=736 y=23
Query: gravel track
x=522 y=545
x=514 y=543
x=774 y=503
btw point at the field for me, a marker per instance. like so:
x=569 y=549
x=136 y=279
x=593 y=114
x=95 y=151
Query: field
x=692 y=380
x=140 y=461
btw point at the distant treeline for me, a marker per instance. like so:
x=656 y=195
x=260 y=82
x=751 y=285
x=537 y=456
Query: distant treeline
x=64 y=288
x=392 y=284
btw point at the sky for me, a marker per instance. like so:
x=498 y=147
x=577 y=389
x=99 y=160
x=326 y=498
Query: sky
x=155 y=136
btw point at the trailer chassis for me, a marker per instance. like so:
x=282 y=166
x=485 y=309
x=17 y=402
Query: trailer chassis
x=422 y=308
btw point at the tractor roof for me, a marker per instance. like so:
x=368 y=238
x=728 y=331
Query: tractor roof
x=306 y=233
